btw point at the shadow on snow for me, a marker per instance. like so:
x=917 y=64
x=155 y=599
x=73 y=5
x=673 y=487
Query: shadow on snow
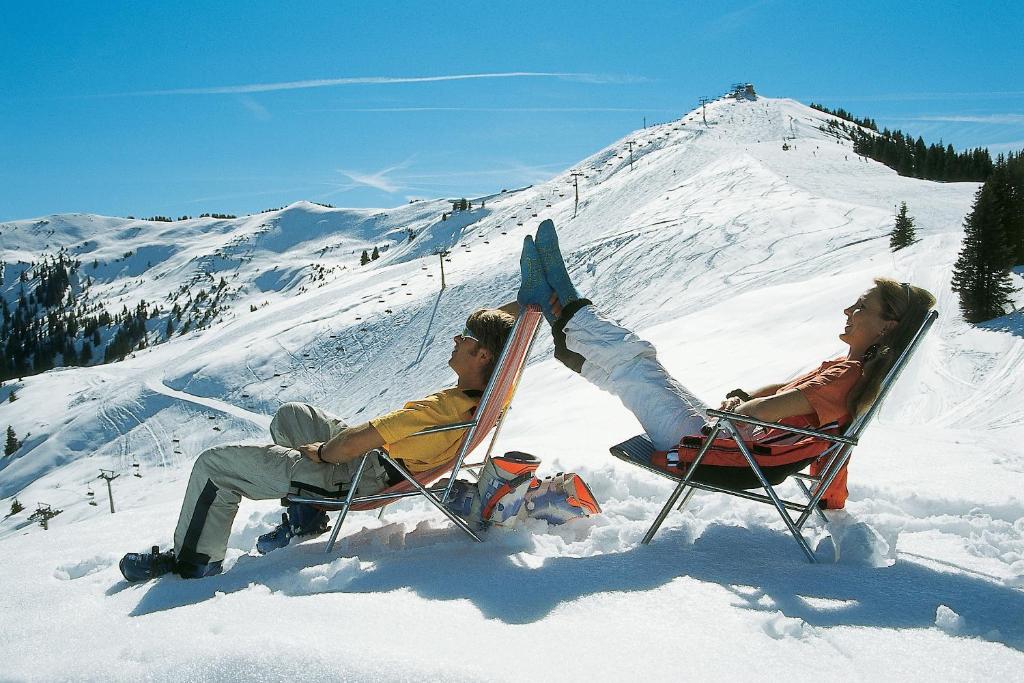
x=445 y=567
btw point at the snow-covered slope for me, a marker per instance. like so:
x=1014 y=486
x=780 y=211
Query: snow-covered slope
x=735 y=256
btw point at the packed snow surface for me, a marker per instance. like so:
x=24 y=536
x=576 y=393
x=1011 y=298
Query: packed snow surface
x=734 y=256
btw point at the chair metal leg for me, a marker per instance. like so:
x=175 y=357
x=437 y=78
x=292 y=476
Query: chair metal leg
x=352 y=486
x=458 y=521
x=660 y=519
x=830 y=474
x=818 y=510
x=686 y=499
x=770 y=490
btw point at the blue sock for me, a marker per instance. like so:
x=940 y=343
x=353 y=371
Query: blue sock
x=534 y=288
x=553 y=264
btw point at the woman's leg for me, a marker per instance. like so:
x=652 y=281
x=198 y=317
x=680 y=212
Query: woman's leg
x=607 y=354
x=619 y=362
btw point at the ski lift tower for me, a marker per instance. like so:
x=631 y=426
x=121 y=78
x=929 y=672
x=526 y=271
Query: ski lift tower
x=576 y=185
x=109 y=476
x=443 y=254
x=43 y=514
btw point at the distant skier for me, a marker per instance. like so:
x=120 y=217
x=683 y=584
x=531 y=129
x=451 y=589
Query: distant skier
x=314 y=452
x=879 y=326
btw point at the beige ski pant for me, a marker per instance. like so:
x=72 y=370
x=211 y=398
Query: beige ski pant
x=223 y=475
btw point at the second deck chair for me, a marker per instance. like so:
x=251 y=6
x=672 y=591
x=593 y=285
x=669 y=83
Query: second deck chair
x=489 y=415
x=834 y=456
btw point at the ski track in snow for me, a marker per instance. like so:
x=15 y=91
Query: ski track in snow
x=733 y=256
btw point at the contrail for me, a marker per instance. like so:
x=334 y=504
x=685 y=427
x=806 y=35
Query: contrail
x=383 y=80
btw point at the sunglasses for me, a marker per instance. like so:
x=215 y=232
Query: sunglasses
x=468 y=334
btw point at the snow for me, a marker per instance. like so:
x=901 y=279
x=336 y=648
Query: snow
x=733 y=256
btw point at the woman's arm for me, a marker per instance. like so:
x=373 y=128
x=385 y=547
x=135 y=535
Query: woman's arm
x=768 y=390
x=776 y=407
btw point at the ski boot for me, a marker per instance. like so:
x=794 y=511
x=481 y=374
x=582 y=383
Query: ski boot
x=188 y=570
x=301 y=519
x=145 y=566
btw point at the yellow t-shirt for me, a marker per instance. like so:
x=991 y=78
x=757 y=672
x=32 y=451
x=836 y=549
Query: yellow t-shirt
x=421 y=453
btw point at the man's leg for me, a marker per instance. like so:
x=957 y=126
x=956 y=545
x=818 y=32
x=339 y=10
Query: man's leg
x=617 y=361
x=223 y=475
x=297 y=424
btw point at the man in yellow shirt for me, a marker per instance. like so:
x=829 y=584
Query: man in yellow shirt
x=314 y=452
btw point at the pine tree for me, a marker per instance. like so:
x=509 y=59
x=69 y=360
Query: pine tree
x=16 y=507
x=364 y=259
x=902 y=234
x=1012 y=200
x=375 y=255
x=981 y=272
x=86 y=353
x=12 y=397
x=12 y=444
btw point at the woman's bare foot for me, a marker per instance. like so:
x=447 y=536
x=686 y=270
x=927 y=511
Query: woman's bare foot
x=556 y=306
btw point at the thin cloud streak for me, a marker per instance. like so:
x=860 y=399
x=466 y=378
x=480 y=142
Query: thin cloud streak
x=496 y=109
x=998 y=119
x=902 y=97
x=255 y=108
x=379 y=180
x=1000 y=147
x=543 y=168
x=420 y=184
x=736 y=19
x=384 y=80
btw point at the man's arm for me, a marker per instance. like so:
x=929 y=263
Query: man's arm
x=512 y=308
x=346 y=446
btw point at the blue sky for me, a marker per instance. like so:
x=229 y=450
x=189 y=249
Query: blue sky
x=185 y=107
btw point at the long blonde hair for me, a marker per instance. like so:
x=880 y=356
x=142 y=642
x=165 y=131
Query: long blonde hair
x=908 y=306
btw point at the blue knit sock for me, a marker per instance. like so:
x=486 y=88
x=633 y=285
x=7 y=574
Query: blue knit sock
x=553 y=264
x=534 y=288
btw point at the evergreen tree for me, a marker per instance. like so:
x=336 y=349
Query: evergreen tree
x=12 y=444
x=364 y=259
x=375 y=255
x=1011 y=178
x=902 y=234
x=12 y=397
x=981 y=273
x=16 y=507
x=86 y=354
x=170 y=327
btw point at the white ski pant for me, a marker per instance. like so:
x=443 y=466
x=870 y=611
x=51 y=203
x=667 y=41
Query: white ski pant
x=622 y=364
x=223 y=475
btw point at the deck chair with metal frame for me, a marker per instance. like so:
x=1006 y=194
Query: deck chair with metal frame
x=489 y=414
x=639 y=449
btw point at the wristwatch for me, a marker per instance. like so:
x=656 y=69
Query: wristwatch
x=740 y=394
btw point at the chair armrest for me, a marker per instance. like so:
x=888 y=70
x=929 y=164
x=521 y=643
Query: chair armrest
x=444 y=428
x=736 y=417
